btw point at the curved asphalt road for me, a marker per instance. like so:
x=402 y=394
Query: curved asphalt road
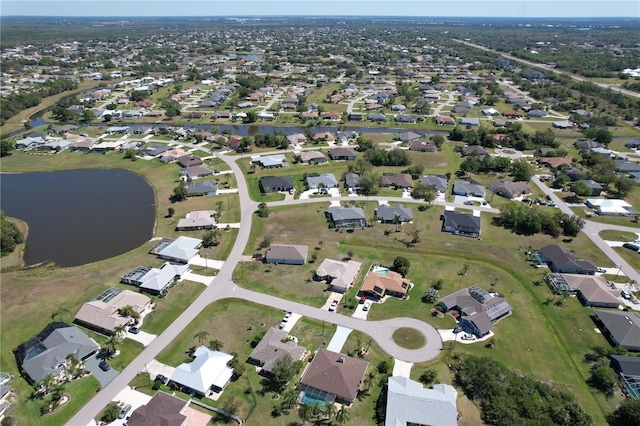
x=222 y=286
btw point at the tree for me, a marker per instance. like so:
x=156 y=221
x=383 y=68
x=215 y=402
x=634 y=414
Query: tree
x=369 y=379
x=628 y=413
x=6 y=146
x=201 y=336
x=401 y=265
x=215 y=345
x=383 y=367
x=266 y=242
x=87 y=116
x=522 y=171
x=343 y=415
x=110 y=347
x=119 y=330
x=624 y=186
x=263 y=210
x=211 y=237
x=60 y=313
x=603 y=378
x=561 y=180
x=415 y=236
x=252 y=117
x=128 y=311
x=283 y=370
x=110 y=412
x=581 y=189
x=437 y=284
x=179 y=193
x=10 y=236
x=430 y=296
x=572 y=226
x=231 y=405
x=170 y=211
x=305 y=412
x=369 y=184
x=438 y=140
x=428 y=377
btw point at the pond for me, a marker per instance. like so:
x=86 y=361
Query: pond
x=80 y=216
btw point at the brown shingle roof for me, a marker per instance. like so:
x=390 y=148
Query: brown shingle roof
x=162 y=410
x=382 y=283
x=335 y=373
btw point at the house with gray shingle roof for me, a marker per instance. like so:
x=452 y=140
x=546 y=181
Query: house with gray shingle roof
x=622 y=328
x=477 y=309
x=388 y=214
x=408 y=402
x=273 y=346
x=326 y=180
x=510 y=189
x=346 y=217
x=464 y=187
x=440 y=183
x=47 y=352
x=286 y=254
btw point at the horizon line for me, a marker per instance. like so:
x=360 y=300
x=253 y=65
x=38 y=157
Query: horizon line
x=595 y=18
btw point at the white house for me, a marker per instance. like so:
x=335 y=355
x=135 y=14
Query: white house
x=206 y=374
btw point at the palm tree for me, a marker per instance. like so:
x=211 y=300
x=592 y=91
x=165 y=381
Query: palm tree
x=127 y=311
x=330 y=410
x=201 y=336
x=396 y=220
x=110 y=346
x=119 y=329
x=304 y=412
x=369 y=379
x=60 y=313
x=215 y=345
x=342 y=416
x=289 y=396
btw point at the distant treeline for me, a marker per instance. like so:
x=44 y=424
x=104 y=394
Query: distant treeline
x=16 y=102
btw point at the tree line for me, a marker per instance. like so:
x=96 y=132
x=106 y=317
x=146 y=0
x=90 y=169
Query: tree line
x=522 y=219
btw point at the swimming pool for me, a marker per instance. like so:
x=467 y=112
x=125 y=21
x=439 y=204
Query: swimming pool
x=380 y=270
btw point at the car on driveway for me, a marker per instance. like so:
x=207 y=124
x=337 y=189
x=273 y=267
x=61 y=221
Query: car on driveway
x=286 y=317
x=333 y=306
x=162 y=378
x=363 y=299
x=134 y=330
x=631 y=246
x=366 y=306
x=104 y=366
x=468 y=203
x=124 y=411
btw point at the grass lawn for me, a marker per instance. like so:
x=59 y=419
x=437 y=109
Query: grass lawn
x=612 y=235
x=409 y=338
x=611 y=220
x=171 y=306
x=632 y=257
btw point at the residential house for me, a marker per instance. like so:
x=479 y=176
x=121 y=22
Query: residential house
x=276 y=184
x=346 y=217
x=234 y=145
x=409 y=403
x=392 y=214
x=445 y=121
x=201 y=187
x=189 y=160
x=287 y=254
x=466 y=188
x=155 y=280
x=102 y=314
x=622 y=328
x=490 y=112
x=381 y=282
x=594 y=186
x=332 y=116
x=556 y=162
x=197 y=220
x=198 y=171
x=29 y=142
x=324 y=180
x=174 y=155
x=510 y=189
x=398 y=180
x=610 y=207
x=423 y=146
x=312 y=157
x=408 y=137
x=626 y=166
x=351 y=180
x=340 y=275
x=562 y=260
x=333 y=377
x=587 y=144
x=475 y=310
x=473 y=150
x=463 y=224
x=154 y=151
x=512 y=114
x=469 y=121
x=377 y=117
x=180 y=250
x=324 y=137
x=273 y=346
x=355 y=116
x=628 y=369
x=342 y=153
x=537 y=113
x=297 y=139
x=47 y=352
x=83 y=145
x=163 y=409
x=346 y=136
x=208 y=373
x=592 y=290
x=270 y=161
x=462 y=107
x=440 y=183
x=562 y=124
x=408 y=118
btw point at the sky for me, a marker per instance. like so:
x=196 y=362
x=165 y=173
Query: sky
x=431 y=8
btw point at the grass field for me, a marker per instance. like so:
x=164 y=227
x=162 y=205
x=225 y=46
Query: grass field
x=409 y=338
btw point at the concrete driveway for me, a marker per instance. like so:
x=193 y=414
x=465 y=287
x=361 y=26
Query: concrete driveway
x=132 y=397
x=360 y=313
x=339 y=339
x=155 y=367
x=104 y=377
x=142 y=337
